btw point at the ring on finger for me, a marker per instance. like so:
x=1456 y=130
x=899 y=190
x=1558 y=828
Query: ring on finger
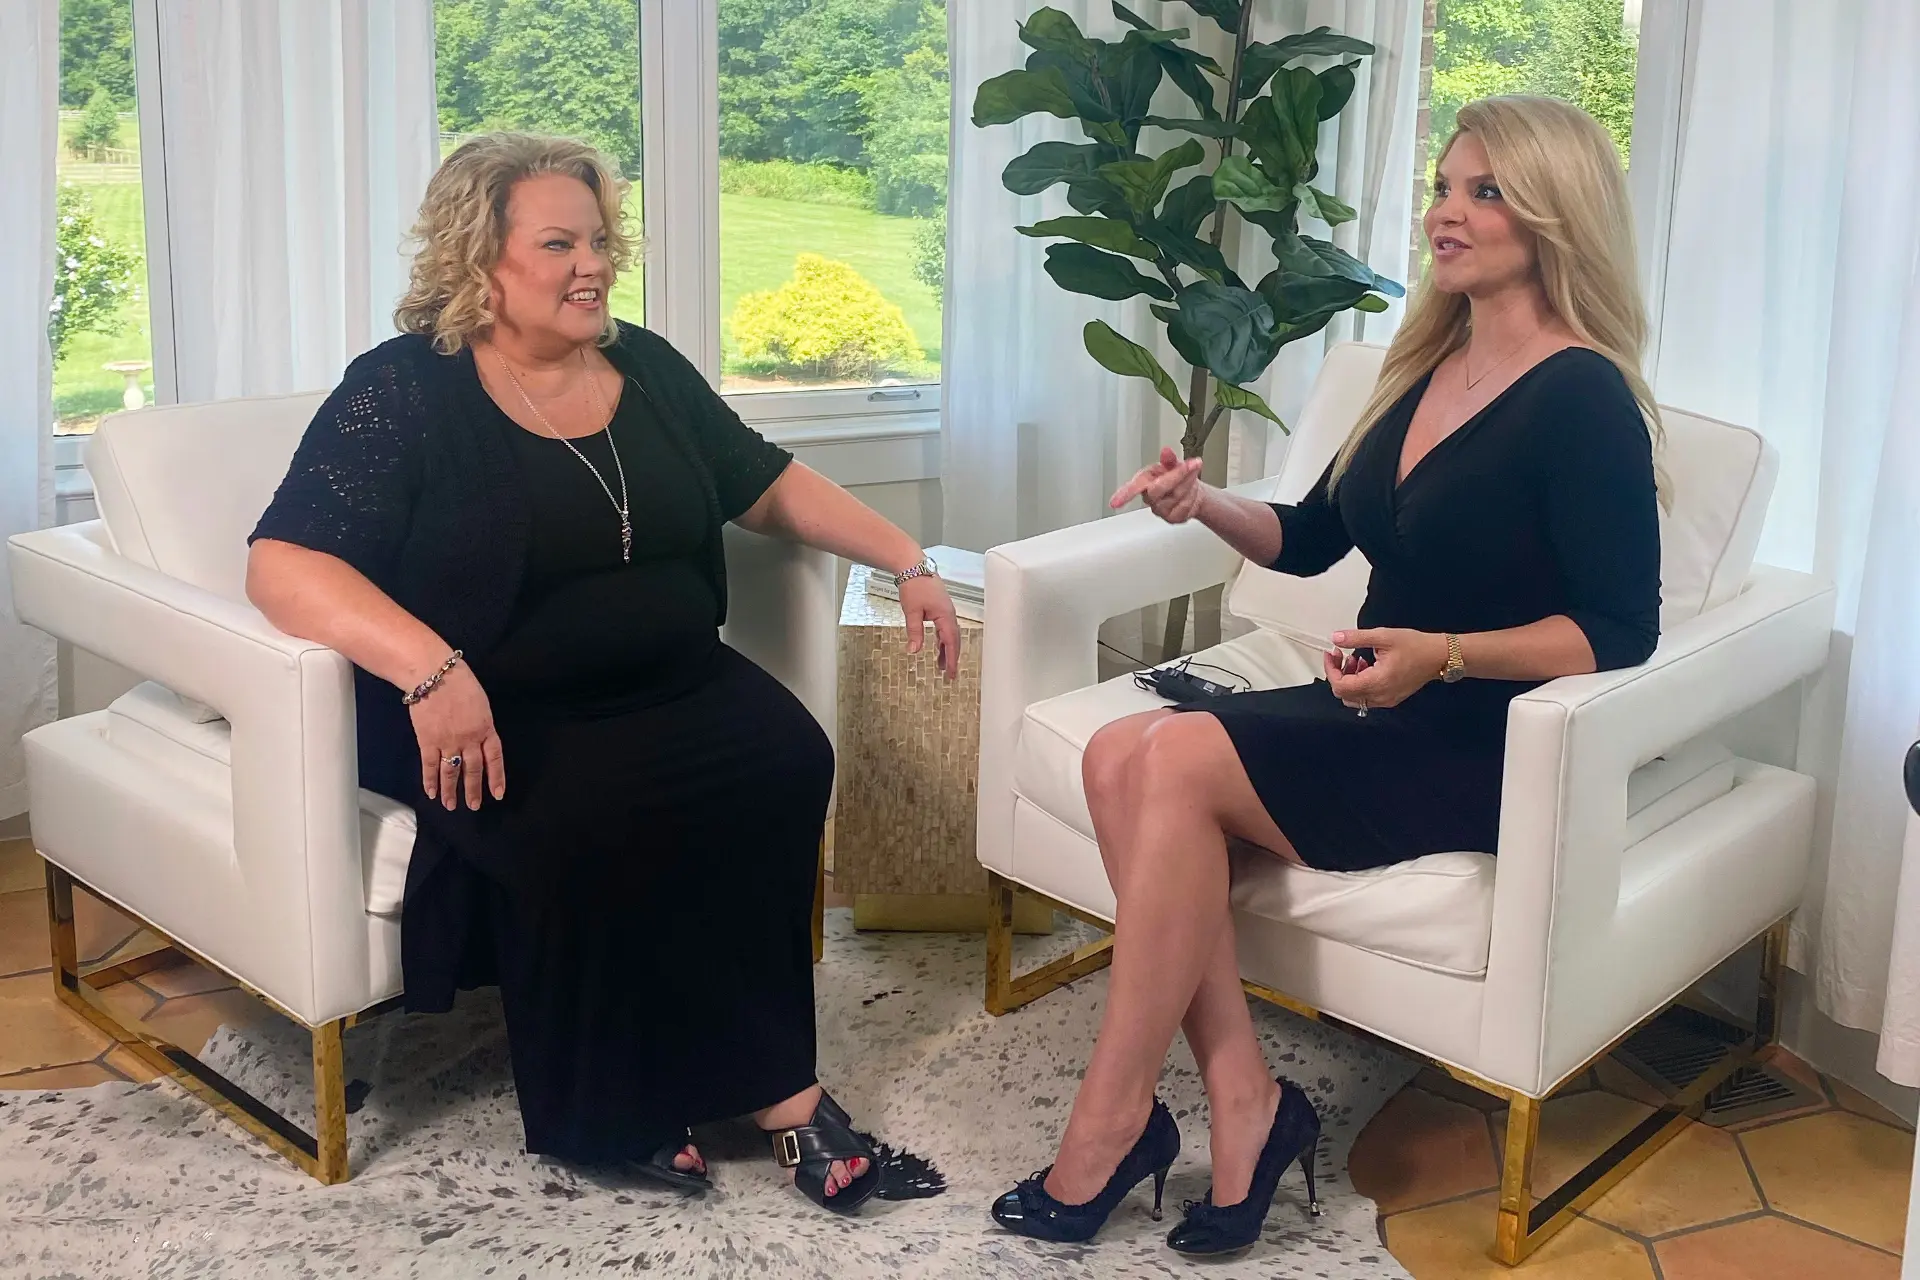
x=450 y=762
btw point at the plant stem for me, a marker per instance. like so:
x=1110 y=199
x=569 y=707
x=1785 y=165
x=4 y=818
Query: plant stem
x=1199 y=421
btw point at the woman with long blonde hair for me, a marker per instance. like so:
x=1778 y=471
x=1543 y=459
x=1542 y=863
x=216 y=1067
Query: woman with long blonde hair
x=1502 y=485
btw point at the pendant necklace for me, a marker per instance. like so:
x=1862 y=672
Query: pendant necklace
x=621 y=506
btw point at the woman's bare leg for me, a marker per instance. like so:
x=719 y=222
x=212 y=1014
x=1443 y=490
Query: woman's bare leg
x=1170 y=877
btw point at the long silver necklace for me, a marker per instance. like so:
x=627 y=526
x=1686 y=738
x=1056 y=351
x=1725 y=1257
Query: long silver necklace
x=621 y=506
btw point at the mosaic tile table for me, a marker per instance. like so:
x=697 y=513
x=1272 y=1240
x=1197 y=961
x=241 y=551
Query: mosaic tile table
x=909 y=756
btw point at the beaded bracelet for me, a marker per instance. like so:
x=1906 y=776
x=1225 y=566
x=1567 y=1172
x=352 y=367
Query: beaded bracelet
x=432 y=682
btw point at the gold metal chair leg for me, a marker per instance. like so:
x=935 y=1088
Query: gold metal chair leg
x=323 y=1157
x=1773 y=967
x=1512 y=1232
x=1006 y=992
x=329 y=1104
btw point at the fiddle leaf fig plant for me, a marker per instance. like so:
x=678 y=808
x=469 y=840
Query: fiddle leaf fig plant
x=1153 y=224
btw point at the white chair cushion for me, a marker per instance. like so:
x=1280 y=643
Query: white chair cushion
x=1435 y=912
x=180 y=487
x=159 y=726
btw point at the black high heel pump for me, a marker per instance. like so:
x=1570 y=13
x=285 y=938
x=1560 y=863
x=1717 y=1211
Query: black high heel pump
x=1211 y=1228
x=1029 y=1210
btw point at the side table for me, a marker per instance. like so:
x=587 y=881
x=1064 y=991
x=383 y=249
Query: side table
x=908 y=768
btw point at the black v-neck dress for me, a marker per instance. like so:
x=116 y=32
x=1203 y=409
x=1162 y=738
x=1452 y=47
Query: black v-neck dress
x=1542 y=504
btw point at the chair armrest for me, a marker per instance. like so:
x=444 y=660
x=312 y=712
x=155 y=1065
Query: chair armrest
x=1046 y=599
x=295 y=791
x=783 y=612
x=68 y=583
x=1571 y=744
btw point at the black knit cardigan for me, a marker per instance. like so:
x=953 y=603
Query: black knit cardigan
x=407 y=473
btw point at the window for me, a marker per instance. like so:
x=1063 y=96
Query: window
x=547 y=66
x=99 y=327
x=833 y=186
x=797 y=151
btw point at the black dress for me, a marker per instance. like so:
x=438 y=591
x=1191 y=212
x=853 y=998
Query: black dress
x=1542 y=504
x=642 y=896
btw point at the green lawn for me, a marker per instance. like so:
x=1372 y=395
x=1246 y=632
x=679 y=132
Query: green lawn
x=759 y=239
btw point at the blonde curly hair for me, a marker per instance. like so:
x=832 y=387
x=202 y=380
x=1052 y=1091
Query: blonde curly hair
x=463 y=226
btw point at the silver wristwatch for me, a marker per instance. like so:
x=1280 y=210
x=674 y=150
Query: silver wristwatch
x=925 y=569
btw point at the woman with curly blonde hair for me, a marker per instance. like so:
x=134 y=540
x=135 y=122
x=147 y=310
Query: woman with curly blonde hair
x=509 y=518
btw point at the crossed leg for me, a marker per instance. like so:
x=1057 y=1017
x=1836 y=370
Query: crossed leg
x=1166 y=791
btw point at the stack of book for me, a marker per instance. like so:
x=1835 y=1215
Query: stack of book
x=964 y=572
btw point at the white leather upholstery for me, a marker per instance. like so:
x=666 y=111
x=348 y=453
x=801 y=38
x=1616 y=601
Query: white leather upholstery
x=241 y=829
x=1635 y=852
x=1435 y=912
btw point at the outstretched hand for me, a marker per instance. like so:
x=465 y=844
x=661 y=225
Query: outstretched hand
x=1171 y=488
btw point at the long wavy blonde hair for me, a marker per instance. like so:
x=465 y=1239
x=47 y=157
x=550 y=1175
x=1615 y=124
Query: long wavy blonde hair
x=463 y=226
x=1561 y=177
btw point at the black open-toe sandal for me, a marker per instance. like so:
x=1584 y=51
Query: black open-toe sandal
x=810 y=1150
x=659 y=1166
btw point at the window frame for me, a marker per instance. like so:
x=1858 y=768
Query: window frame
x=680 y=208
x=73 y=487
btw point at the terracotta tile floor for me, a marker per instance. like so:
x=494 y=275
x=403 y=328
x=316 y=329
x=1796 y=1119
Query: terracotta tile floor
x=1816 y=1193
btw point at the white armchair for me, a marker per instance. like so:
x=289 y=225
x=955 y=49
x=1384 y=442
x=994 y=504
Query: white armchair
x=218 y=802
x=1635 y=853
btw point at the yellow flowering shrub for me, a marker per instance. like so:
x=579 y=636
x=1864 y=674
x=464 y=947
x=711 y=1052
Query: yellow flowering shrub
x=828 y=320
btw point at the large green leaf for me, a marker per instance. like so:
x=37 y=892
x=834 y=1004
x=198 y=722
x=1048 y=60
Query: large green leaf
x=1240 y=398
x=1111 y=132
x=1015 y=94
x=1190 y=251
x=1272 y=141
x=1322 y=42
x=1188 y=69
x=1102 y=233
x=1131 y=72
x=1373 y=303
x=1052 y=31
x=1336 y=87
x=1048 y=163
x=1295 y=298
x=1238 y=181
x=1144 y=182
x=1094 y=194
x=1234 y=326
x=1305 y=255
x=1188 y=205
x=1316 y=203
x=1133 y=19
x=1204 y=128
x=1080 y=268
x=1130 y=359
x=1224 y=12
x=1178 y=334
x=1283 y=221
x=1296 y=103
x=1079 y=80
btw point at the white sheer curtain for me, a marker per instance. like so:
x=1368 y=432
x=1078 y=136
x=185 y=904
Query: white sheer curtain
x=29 y=123
x=1037 y=435
x=298 y=137
x=1793 y=306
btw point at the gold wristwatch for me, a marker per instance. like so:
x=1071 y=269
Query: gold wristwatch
x=1456 y=668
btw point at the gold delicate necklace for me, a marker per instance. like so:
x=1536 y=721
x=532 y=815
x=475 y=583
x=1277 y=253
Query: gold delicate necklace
x=1466 y=363
x=620 y=505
